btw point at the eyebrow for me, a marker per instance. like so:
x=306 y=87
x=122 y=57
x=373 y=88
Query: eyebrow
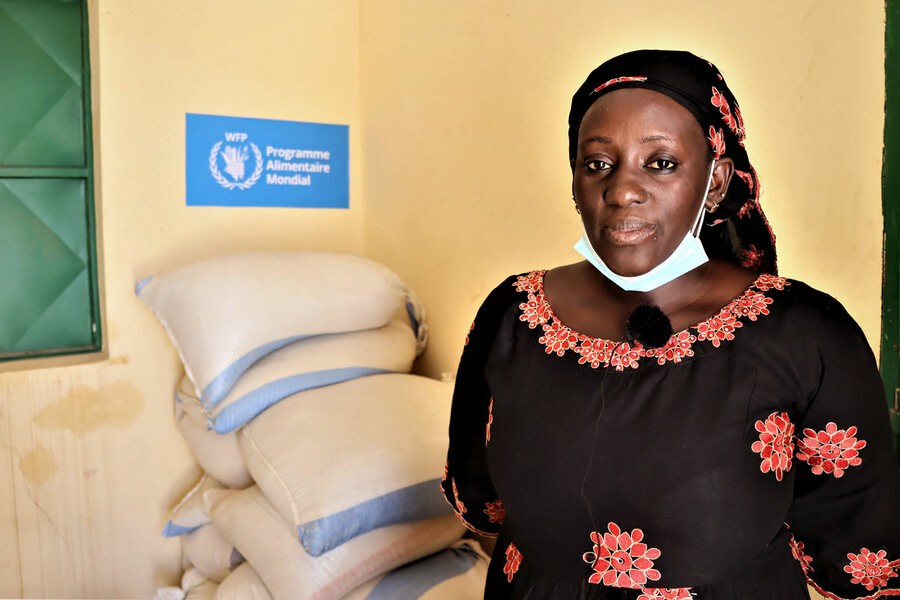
x=598 y=139
x=601 y=139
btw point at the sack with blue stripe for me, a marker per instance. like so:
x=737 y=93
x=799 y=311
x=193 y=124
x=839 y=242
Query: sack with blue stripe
x=342 y=460
x=218 y=454
x=249 y=521
x=225 y=314
x=315 y=362
x=457 y=573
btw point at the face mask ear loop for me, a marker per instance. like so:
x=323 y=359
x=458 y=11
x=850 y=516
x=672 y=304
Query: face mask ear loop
x=698 y=222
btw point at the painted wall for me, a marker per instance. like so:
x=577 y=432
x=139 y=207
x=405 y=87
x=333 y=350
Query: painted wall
x=464 y=114
x=90 y=460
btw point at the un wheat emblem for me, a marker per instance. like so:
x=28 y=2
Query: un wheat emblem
x=234 y=158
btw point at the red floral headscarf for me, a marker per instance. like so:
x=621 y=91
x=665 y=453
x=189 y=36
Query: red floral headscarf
x=738 y=231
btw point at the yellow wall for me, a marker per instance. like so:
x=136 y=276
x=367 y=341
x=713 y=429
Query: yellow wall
x=458 y=147
x=464 y=115
x=90 y=460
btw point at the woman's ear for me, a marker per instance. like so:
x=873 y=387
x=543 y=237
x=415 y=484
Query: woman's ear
x=722 y=174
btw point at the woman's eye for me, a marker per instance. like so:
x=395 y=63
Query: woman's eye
x=596 y=165
x=662 y=164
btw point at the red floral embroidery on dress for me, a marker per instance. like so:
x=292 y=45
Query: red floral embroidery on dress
x=536 y=311
x=594 y=351
x=776 y=444
x=532 y=282
x=620 y=559
x=717 y=141
x=751 y=305
x=831 y=450
x=471 y=329
x=766 y=282
x=487 y=434
x=869 y=569
x=626 y=356
x=495 y=511
x=665 y=594
x=677 y=348
x=460 y=507
x=617 y=80
x=751 y=257
x=513 y=562
x=719 y=328
x=802 y=557
x=558 y=338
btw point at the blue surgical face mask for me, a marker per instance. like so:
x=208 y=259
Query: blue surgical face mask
x=687 y=256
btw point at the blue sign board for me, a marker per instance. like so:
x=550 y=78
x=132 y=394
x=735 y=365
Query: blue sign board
x=234 y=161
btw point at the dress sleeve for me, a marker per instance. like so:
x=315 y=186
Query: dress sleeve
x=845 y=515
x=466 y=483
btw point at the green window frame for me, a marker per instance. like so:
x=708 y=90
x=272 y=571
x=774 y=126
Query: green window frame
x=49 y=296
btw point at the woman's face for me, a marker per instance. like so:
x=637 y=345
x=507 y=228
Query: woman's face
x=640 y=172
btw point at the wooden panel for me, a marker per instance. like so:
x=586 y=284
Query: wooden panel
x=89 y=470
x=10 y=566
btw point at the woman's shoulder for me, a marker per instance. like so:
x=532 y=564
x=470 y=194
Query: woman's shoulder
x=805 y=300
x=501 y=302
x=512 y=290
x=528 y=285
x=519 y=283
x=810 y=312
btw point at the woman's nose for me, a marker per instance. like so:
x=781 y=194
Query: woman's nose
x=623 y=189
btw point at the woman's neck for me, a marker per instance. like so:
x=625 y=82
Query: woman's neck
x=588 y=302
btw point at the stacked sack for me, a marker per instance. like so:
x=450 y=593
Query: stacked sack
x=322 y=454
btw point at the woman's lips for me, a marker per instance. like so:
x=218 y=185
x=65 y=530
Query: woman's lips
x=628 y=231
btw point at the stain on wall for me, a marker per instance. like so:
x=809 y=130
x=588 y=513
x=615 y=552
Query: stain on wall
x=85 y=409
x=38 y=466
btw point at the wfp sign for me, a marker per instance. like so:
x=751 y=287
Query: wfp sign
x=233 y=161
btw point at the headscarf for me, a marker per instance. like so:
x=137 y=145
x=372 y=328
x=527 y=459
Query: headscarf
x=738 y=230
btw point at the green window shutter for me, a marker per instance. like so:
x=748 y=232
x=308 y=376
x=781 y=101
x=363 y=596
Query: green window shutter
x=48 y=260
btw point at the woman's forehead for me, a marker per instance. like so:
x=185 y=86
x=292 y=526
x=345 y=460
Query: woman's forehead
x=631 y=113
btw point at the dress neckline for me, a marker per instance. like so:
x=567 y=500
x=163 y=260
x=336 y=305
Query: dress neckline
x=558 y=338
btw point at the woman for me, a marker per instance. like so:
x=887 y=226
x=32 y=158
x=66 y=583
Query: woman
x=669 y=418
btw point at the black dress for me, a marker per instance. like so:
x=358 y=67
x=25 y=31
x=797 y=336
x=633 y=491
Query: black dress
x=750 y=455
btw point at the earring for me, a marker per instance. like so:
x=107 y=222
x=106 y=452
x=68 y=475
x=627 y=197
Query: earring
x=578 y=210
x=715 y=205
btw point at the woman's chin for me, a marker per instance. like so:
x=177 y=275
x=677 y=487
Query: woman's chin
x=630 y=267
